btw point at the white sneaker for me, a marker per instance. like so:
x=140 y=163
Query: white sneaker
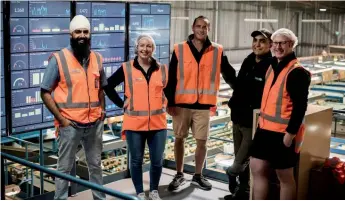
x=153 y=195
x=142 y=196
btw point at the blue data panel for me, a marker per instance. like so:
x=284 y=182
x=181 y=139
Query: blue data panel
x=20 y=79
x=133 y=35
x=161 y=37
x=83 y=8
x=19 y=44
x=1 y=37
x=2 y=70
x=47 y=115
x=164 y=61
x=107 y=40
x=19 y=26
x=135 y=22
x=108 y=9
x=2 y=86
x=112 y=55
x=153 y=22
x=159 y=9
x=39 y=59
x=131 y=53
x=36 y=77
x=111 y=68
x=49 y=9
x=164 y=51
x=3 y=107
x=140 y=9
x=19 y=9
x=3 y=123
x=49 y=25
x=26 y=115
x=25 y=97
x=48 y=43
x=33 y=127
x=101 y=25
x=110 y=105
x=19 y=61
x=156 y=54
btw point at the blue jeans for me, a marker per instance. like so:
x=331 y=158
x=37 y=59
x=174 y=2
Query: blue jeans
x=136 y=144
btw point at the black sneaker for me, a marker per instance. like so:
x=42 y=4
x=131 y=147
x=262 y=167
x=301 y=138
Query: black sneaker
x=178 y=181
x=232 y=184
x=202 y=183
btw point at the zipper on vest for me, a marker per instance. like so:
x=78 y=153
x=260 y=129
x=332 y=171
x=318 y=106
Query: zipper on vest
x=148 y=99
x=88 y=93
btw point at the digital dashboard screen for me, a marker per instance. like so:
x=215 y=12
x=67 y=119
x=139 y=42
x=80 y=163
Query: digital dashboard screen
x=37 y=29
x=154 y=20
x=107 y=37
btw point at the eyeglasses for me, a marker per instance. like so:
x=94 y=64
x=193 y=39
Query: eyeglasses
x=281 y=43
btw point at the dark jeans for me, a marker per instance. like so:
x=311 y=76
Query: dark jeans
x=136 y=144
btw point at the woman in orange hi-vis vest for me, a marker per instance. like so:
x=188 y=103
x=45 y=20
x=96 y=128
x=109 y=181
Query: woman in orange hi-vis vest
x=280 y=132
x=144 y=111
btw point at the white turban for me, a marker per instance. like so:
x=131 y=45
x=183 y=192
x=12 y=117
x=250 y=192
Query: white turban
x=79 y=22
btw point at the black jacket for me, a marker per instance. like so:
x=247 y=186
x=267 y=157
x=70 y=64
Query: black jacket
x=297 y=85
x=228 y=72
x=248 y=89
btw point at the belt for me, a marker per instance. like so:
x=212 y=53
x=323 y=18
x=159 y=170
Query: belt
x=87 y=125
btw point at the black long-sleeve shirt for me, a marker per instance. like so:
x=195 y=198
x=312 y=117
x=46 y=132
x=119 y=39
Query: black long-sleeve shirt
x=228 y=72
x=119 y=76
x=297 y=85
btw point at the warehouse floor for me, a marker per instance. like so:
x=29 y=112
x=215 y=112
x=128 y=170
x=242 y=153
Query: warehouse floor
x=188 y=192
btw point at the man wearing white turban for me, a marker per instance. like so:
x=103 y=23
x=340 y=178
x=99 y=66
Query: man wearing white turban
x=75 y=75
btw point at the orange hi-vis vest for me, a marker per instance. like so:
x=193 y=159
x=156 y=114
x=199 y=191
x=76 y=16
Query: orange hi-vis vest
x=276 y=104
x=147 y=102
x=198 y=82
x=76 y=95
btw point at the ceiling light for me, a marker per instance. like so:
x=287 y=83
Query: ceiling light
x=180 y=18
x=260 y=20
x=323 y=9
x=316 y=20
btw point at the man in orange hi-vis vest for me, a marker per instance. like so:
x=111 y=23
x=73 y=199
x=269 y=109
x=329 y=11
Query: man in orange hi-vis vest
x=280 y=132
x=194 y=77
x=75 y=75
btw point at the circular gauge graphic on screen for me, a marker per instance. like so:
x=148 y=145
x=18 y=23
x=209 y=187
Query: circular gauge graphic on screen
x=19 y=29
x=19 y=65
x=19 y=83
x=19 y=47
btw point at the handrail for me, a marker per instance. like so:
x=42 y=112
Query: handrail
x=27 y=142
x=70 y=178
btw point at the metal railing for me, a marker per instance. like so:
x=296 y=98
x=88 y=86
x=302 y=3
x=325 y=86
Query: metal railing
x=70 y=178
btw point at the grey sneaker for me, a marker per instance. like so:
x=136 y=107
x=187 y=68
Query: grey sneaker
x=153 y=195
x=202 y=183
x=177 y=182
x=142 y=196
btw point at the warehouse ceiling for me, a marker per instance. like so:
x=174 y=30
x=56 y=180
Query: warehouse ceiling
x=307 y=6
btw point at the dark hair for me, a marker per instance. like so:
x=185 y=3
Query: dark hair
x=203 y=18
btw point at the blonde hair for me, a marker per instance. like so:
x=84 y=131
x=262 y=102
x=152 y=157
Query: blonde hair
x=287 y=33
x=142 y=36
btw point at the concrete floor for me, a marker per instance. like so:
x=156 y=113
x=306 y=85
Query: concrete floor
x=188 y=192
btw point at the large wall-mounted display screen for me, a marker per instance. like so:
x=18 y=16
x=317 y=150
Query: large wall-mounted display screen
x=107 y=38
x=152 y=19
x=37 y=28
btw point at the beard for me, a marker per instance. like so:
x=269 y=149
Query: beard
x=81 y=47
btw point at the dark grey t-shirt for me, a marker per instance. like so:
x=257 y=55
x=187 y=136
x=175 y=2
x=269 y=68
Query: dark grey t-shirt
x=52 y=77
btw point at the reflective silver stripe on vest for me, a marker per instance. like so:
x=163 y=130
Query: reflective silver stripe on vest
x=69 y=103
x=99 y=62
x=131 y=111
x=67 y=76
x=145 y=113
x=78 y=105
x=130 y=84
x=268 y=73
x=181 y=67
x=163 y=82
x=277 y=118
x=212 y=90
